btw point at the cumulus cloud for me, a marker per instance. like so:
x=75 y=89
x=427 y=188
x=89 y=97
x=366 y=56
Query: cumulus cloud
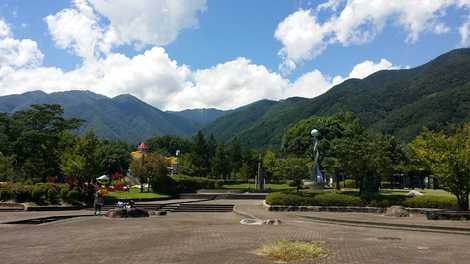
x=366 y=68
x=302 y=38
x=82 y=29
x=152 y=22
x=464 y=31
x=152 y=75
x=15 y=53
x=356 y=22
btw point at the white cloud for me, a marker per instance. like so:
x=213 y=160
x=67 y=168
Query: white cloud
x=154 y=22
x=4 y=29
x=82 y=30
x=311 y=84
x=78 y=30
x=15 y=53
x=152 y=75
x=366 y=68
x=304 y=36
x=464 y=31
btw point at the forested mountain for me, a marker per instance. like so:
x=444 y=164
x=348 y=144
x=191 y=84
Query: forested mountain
x=123 y=117
x=200 y=117
x=397 y=102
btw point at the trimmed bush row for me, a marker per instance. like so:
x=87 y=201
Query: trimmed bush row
x=183 y=184
x=43 y=194
x=323 y=199
x=336 y=199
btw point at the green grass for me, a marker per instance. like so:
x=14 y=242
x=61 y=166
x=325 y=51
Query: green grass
x=134 y=193
x=251 y=186
x=397 y=192
x=285 y=250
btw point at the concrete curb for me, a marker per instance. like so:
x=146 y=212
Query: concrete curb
x=409 y=227
x=243 y=214
x=343 y=209
x=350 y=209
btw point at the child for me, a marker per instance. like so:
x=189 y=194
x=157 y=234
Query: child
x=99 y=201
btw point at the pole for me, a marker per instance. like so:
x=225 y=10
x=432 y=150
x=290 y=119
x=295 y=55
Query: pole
x=142 y=172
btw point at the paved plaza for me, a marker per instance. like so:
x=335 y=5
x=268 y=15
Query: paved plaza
x=213 y=238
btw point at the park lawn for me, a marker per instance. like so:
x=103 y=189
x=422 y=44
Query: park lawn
x=251 y=186
x=430 y=192
x=134 y=193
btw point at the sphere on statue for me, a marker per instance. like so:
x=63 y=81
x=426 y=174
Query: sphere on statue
x=314 y=132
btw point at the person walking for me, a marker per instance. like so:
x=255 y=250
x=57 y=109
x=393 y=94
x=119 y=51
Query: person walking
x=99 y=201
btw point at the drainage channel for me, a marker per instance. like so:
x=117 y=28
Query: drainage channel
x=42 y=220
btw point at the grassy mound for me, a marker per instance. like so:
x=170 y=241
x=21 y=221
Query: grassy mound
x=286 y=250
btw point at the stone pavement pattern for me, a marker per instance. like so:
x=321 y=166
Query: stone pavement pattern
x=215 y=238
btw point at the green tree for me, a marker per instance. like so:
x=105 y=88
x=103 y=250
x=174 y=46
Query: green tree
x=168 y=145
x=154 y=166
x=294 y=169
x=448 y=156
x=73 y=164
x=84 y=150
x=7 y=169
x=34 y=137
x=269 y=165
x=211 y=147
x=235 y=156
x=220 y=163
x=199 y=158
x=114 y=157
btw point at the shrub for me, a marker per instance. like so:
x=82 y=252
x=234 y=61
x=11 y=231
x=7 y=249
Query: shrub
x=336 y=199
x=22 y=193
x=7 y=192
x=279 y=198
x=321 y=199
x=164 y=185
x=429 y=201
x=38 y=193
x=348 y=183
x=64 y=193
x=386 y=200
x=186 y=184
x=73 y=196
x=53 y=195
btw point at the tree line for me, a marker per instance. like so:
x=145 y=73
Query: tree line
x=39 y=145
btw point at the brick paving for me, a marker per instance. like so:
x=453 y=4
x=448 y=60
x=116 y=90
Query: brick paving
x=215 y=238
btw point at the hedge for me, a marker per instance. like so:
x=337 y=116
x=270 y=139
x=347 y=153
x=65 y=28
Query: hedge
x=429 y=201
x=336 y=199
x=43 y=193
x=186 y=184
x=279 y=198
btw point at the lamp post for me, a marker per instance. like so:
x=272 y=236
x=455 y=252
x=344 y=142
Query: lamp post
x=142 y=148
x=317 y=176
x=178 y=152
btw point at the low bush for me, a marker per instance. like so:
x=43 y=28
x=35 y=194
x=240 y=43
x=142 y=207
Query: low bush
x=21 y=193
x=186 y=184
x=336 y=199
x=321 y=199
x=64 y=193
x=348 y=183
x=53 y=195
x=429 y=201
x=38 y=193
x=282 y=198
x=6 y=192
x=164 y=185
x=73 y=196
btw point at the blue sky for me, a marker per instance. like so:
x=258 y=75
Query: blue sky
x=218 y=53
